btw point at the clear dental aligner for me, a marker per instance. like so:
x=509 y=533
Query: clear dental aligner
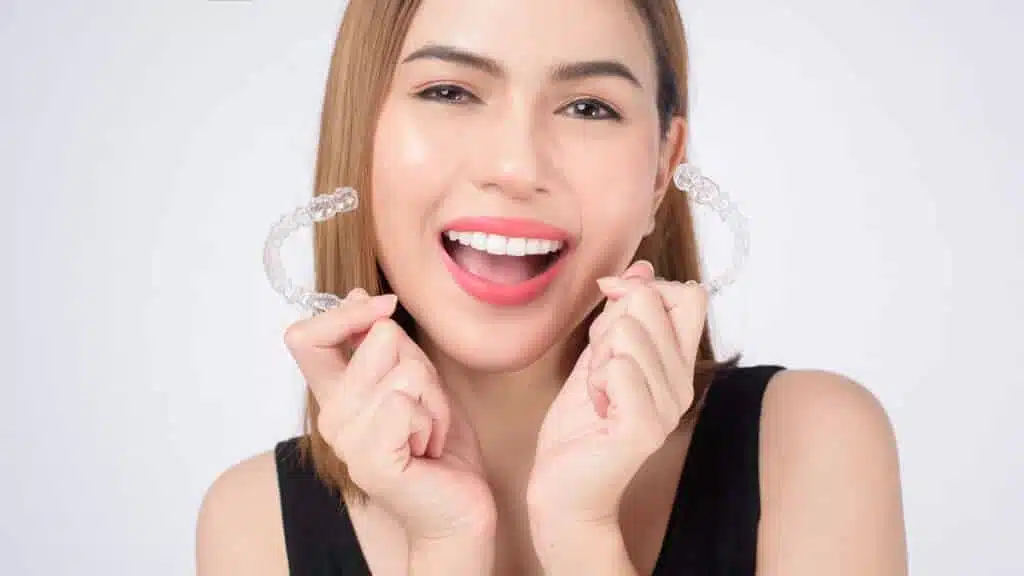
x=700 y=189
x=322 y=207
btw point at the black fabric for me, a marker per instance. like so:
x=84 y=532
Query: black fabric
x=712 y=529
x=319 y=535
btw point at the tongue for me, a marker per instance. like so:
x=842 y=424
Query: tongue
x=497 y=269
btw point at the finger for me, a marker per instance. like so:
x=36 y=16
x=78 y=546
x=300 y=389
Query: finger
x=628 y=338
x=316 y=342
x=353 y=342
x=415 y=376
x=386 y=440
x=432 y=396
x=374 y=358
x=631 y=406
x=595 y=390
x=404 y=378
x=640 y=269
x=687 y=306
x=645 y=304
x=616 y=289
x=618 y=286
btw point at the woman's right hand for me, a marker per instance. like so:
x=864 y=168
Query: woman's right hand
x=385 y=414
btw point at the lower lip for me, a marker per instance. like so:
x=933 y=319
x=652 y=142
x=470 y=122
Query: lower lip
x=502 y=294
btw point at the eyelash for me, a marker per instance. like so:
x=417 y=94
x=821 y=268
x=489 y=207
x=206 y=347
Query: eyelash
x=433 y=93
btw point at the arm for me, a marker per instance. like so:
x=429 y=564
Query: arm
x=239 y=530
x=470 y=554
x=830 y=482
x=597 y=550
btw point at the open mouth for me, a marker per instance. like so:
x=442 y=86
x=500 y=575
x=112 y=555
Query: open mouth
x=501 y=259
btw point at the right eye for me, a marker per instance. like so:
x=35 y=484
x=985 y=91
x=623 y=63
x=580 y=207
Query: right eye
x=447 y=94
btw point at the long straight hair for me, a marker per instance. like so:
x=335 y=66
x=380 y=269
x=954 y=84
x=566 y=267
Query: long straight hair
x=365 y=54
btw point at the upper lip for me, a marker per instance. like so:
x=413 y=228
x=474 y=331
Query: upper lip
x=509 y=227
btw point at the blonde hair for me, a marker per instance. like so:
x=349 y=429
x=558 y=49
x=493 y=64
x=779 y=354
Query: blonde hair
x=366 y=51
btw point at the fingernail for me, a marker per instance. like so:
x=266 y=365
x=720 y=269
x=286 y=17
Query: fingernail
x=611 y=284
x=357 y=294
x=385 y=302
x=640 y=269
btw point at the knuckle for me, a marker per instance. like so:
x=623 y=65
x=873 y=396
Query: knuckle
x=626 y=368
x=624 y=329
x=420 y=371
x=646 y=295
x=326 y=426
x=402 y=377
x=395 y=406
x=296 y=335
x=386 y=331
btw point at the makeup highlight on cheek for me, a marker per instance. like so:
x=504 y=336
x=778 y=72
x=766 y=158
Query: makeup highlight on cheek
x=411 y=141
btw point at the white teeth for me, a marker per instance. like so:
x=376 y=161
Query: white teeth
x=516 y=247
x=503 y=245
x=496 y=244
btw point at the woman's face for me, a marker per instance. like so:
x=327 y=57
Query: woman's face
x=517 y=159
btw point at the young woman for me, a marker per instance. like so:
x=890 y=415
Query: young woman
x=520 y=379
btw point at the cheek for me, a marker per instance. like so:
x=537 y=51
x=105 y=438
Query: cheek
x=617 y=198
x=411 y=172
x=416 y=145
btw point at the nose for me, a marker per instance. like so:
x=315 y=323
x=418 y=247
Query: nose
x=511 y=154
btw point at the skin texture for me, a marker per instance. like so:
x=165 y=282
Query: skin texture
x=472 y=447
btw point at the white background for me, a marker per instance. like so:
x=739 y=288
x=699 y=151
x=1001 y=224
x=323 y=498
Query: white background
x=145 y=148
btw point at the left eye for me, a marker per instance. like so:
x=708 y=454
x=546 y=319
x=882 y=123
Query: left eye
x=591 y=109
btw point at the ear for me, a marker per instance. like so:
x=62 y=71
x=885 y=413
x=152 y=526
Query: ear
x=673 y=151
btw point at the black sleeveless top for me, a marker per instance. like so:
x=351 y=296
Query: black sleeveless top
x=712 y=529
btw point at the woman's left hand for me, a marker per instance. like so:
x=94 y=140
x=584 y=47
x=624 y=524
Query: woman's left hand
x=626 y=394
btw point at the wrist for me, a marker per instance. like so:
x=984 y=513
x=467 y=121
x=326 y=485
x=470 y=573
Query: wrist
x=455 y=555
x=593 y=549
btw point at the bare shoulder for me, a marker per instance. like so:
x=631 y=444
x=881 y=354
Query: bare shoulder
x=830 y=480
x=239 y=530
x=826 y=403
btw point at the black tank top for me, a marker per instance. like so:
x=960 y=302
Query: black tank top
x=712 y=529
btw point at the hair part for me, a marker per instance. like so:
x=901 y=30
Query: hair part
x=365 y=55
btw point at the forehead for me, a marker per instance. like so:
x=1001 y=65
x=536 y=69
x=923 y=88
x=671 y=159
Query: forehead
x=528 y=35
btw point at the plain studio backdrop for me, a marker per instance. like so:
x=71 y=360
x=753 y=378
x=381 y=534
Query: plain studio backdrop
x=145 y=149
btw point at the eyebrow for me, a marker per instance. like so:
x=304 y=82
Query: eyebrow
x=561 y=73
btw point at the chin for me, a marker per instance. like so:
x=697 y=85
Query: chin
x=494 y=353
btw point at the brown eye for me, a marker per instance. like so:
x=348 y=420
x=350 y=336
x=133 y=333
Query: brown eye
x=447 y=94
x=591 y=109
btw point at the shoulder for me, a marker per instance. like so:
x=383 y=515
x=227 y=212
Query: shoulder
x=239 y=530
x=817 y=408
x=829 y=478
x=822 y=396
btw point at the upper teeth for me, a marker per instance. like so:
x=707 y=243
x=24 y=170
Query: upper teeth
x=503 y=245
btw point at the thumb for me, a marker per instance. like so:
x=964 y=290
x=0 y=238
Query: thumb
x=614 y=287
x=641 y=269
